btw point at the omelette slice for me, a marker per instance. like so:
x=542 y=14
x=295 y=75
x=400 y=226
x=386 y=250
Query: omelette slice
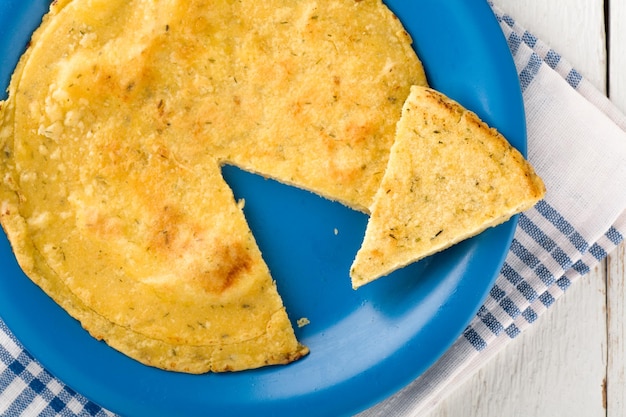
x=449 y=177
x=119 y=117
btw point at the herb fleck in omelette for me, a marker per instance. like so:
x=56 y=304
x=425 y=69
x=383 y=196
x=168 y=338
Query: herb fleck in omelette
x=119 y=116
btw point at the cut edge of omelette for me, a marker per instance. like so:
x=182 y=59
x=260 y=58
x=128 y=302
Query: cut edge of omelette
x=449 y=177
x=275 y=343
x=41 y=262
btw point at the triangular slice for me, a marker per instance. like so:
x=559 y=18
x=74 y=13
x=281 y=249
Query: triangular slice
x=449 y=177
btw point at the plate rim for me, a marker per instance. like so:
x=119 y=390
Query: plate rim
x=506 y=230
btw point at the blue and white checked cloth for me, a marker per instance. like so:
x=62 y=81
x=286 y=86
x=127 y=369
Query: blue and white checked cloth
x=577 y=143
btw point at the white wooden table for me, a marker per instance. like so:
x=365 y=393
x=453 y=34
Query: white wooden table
x=571 y=362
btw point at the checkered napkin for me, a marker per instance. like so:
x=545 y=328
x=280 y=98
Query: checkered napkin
x=577 y=144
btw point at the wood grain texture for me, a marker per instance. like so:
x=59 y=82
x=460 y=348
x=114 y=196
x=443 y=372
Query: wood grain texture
x=616 y=263
x=617 y=53
x=616 y=326
x=571 y=362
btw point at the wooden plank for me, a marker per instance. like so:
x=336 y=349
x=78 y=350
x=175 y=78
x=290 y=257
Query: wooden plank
x=616 y=272
x=558 y=366
x=615 y=391
x=618 y=53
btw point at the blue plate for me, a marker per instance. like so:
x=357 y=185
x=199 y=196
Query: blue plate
x=365 y=345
